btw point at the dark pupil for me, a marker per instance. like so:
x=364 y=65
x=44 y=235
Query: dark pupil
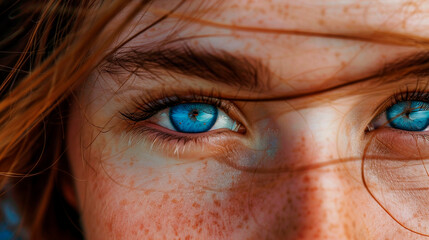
x=193 y=114
x=411 y=110
x=407 y=113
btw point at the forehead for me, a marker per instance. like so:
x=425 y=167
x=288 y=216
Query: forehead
x=339 y=16
x=302 y=41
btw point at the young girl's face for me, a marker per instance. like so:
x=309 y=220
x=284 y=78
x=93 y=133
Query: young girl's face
x=251 y=120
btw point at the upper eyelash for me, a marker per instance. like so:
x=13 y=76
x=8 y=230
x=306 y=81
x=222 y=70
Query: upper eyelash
x=414 y=94
x=410 y=95
x=145 y=108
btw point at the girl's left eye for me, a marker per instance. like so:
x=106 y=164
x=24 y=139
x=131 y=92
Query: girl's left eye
x=409 y=115
x=194 y=118
x=405 y=115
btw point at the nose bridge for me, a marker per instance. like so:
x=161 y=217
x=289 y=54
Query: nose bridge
x=308 y=137
x=317 y=189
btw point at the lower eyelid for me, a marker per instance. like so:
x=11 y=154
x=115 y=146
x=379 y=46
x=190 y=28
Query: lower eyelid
x=175 y=144
x=396 y=142
x=157 y=127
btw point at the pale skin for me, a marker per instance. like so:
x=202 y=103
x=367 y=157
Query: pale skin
x=128 y=187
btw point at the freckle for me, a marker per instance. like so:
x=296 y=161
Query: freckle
x=321 y=22
x=196 y=205
x=123 y=202
x=110 y=226
x=345 y=10
x=165 y=197
x=217 y=203
x=306 y=179
x=141 y=226
x=323 y=12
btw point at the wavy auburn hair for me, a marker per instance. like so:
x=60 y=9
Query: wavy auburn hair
x=44 y=58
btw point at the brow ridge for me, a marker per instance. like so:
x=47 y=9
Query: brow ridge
x=243 y=72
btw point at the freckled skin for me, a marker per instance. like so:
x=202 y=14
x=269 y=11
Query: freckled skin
x=127 y=190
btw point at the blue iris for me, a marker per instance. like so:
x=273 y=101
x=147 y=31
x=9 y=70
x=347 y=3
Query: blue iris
x=193 y=117
x=409 y=115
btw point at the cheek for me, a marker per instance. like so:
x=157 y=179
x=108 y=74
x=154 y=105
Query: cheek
x=124 y=195
x=255 y=207
x=120 y=199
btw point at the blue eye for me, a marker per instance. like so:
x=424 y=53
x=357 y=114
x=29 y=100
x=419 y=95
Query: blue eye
x=409 y=115
x=194 y=118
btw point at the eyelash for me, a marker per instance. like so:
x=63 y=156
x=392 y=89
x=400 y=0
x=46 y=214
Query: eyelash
x=410 y=95
x=147 y=107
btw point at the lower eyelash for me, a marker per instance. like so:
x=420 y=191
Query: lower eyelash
x=174 y=143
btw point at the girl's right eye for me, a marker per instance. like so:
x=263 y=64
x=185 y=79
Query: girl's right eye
x=194 y=118
x=406 y=115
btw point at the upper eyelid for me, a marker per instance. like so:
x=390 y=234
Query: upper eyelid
x=145 y=108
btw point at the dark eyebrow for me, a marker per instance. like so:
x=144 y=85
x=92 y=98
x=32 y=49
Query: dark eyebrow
x=246 y=72
x=416 y=64
x=212 y=65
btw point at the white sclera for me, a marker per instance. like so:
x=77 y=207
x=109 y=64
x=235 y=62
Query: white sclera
x=382 y=121
x=162 y=118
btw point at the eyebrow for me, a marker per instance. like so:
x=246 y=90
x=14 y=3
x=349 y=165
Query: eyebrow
x=216 y=66
x=240 y=71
